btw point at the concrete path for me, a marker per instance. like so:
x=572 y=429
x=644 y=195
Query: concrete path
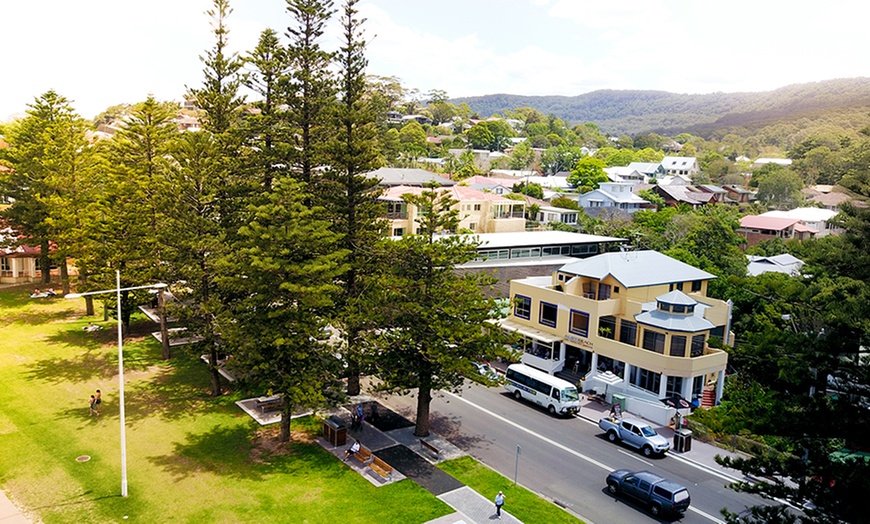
x=9 y=513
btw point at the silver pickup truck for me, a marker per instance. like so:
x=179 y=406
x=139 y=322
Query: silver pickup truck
x=635 y=433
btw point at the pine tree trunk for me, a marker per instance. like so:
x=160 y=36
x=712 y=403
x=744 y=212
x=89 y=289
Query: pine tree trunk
x=285 y=422
x=215 y=375
x=353 y=382
x=45 y=262
x=424 y=398
x=64 y=276
x=89 y=300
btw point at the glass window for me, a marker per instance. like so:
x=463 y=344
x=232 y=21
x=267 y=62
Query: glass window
x=674 y=386
x=603 y=291
x=5 y=265
x=645 y=379
x=677 y=308
x=522 y=307
x=696 y=285
x=628 y=332
x=678 y=346
x=698 y=345
x=399 y=231
x=664 y=307
x=607 y=327
x=653 y=341
x=579 y=323
x=548 y=314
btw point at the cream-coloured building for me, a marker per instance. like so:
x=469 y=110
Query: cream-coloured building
x=479 y=211
x=640 y=315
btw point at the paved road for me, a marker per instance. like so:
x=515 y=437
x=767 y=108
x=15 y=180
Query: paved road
x=565 y=459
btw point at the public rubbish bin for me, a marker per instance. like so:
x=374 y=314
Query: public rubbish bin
x=334 y=431
x=682 y=440
x=619 y=399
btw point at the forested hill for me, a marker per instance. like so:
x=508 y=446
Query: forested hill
x=634 y=112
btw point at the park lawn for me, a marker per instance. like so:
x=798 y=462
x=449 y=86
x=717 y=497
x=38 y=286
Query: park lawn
x=190 y=458
x=519 y=502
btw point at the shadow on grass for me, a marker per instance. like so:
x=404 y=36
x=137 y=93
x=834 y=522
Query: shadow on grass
x=224 y=451
x=177 y=389
x=85 y=367
x=35 y=316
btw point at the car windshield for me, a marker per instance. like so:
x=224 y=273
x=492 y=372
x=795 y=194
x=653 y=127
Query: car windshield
x=570 y=395
x=647 y=431
x=681 y=496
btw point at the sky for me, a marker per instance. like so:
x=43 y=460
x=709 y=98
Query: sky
x=98 y=53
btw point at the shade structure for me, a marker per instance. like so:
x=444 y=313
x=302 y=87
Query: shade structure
x=608 y=378
x=676 y=401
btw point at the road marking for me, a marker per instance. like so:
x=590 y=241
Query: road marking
x=634 y=456
x=552 y=442
x=703 y=467
x=587 y=458
x=705 y=514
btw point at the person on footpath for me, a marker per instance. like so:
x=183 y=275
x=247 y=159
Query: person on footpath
x=499 y=502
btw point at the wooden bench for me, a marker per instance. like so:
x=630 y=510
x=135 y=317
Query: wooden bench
x=363 y=455
x=431 y=447
x=382 y=468
x=269 y=404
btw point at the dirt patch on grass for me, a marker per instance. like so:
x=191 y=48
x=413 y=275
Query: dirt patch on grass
x=266 y=443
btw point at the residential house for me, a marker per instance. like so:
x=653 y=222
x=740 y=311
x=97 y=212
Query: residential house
x=739 y=194
x=20 y=264
x=648 y=169
x=625 y=174
x=675 y=195
x=720 y=195
x=759 y=162
x=479 y=212
x=674 y=180
x=614 y=195
x=642 y=315
x=681 y=165
x=812 y=217
x=756 y=228
x=785 y=263
x=827 y=199
x=550 y=214
x=393 y=176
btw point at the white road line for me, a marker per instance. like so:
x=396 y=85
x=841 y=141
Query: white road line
x=552 y=442
x=702 y=467
x=587 y=458
x=634 y=456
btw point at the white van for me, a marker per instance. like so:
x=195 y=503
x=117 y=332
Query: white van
x=557 y=395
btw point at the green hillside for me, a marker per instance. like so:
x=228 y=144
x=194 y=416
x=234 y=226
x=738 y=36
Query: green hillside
x=635 y=112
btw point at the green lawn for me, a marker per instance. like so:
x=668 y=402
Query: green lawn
x=190 y=458
x=519 y=502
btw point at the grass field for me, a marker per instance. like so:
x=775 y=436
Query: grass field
x=190 y=458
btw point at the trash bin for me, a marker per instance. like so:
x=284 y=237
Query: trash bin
x=619 y=399
x=334 y=431
x=682 y=440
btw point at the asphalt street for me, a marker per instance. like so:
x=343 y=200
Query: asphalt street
x=565 y=459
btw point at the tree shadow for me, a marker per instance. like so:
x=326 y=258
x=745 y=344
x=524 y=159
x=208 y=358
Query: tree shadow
x=177 y=389
x=35 y=317
x=224 y=451
x=449 y=427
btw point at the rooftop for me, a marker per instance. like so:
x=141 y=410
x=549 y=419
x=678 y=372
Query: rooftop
x=636 y=268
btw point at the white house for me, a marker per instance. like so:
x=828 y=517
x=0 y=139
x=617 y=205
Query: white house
x=681 y=165
x=784 y=263
x=613 y=194
x=812 y=217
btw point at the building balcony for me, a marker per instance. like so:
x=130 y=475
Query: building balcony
x=710 y=361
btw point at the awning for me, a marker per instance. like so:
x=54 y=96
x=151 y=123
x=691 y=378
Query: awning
x=527 y=331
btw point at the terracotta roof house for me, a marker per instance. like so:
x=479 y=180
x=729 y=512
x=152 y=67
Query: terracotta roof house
x=479 y=211
x=756 y=228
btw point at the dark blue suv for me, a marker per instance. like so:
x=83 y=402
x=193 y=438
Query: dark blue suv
x=660 y=494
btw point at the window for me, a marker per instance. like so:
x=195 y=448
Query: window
x=674 y=386
x=628 y=332
x=654 y=341
x=697 y=387
x=579 y=323
x=676 y=285
x=472 y=226
x=678 y=346
x=548 y=314
x=698 y=345
x=645 y=379
x=522 y=307
x=678 y=308
x=607 y=327
x=5 y=265
x=603 y=291
x=399 y=231
x=477 y=207
x=696 y=286
x=664 y=307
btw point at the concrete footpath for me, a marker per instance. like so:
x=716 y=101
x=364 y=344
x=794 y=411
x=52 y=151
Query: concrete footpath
x=9 y=513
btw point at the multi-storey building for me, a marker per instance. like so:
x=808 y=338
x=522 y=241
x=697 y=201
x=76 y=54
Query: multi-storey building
x=641 y=315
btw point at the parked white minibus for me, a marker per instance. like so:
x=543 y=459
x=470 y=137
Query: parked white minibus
x=553 y=393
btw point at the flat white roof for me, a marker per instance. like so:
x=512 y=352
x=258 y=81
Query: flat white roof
x=539 y=238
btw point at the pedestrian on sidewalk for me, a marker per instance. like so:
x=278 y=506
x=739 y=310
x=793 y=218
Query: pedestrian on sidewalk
x=93 y=404
x=499 y=502
x=373 y=412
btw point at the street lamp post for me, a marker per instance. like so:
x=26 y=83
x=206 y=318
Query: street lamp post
x=117 y=291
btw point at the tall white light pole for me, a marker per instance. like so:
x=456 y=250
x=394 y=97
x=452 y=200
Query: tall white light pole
x=117 y=291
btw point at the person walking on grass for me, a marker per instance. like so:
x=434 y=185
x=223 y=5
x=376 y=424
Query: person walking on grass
x=499 y=502
x=98 y=400
x=93 y=404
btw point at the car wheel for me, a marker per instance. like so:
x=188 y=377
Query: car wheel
x=611 y=436
x=656 y=510
x=518 y=395
x=552 y=409
x=612 y=488
x=647 y=451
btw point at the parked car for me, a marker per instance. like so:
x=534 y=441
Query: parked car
x=486 y=371
x=635 y=433
x=662 y=496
